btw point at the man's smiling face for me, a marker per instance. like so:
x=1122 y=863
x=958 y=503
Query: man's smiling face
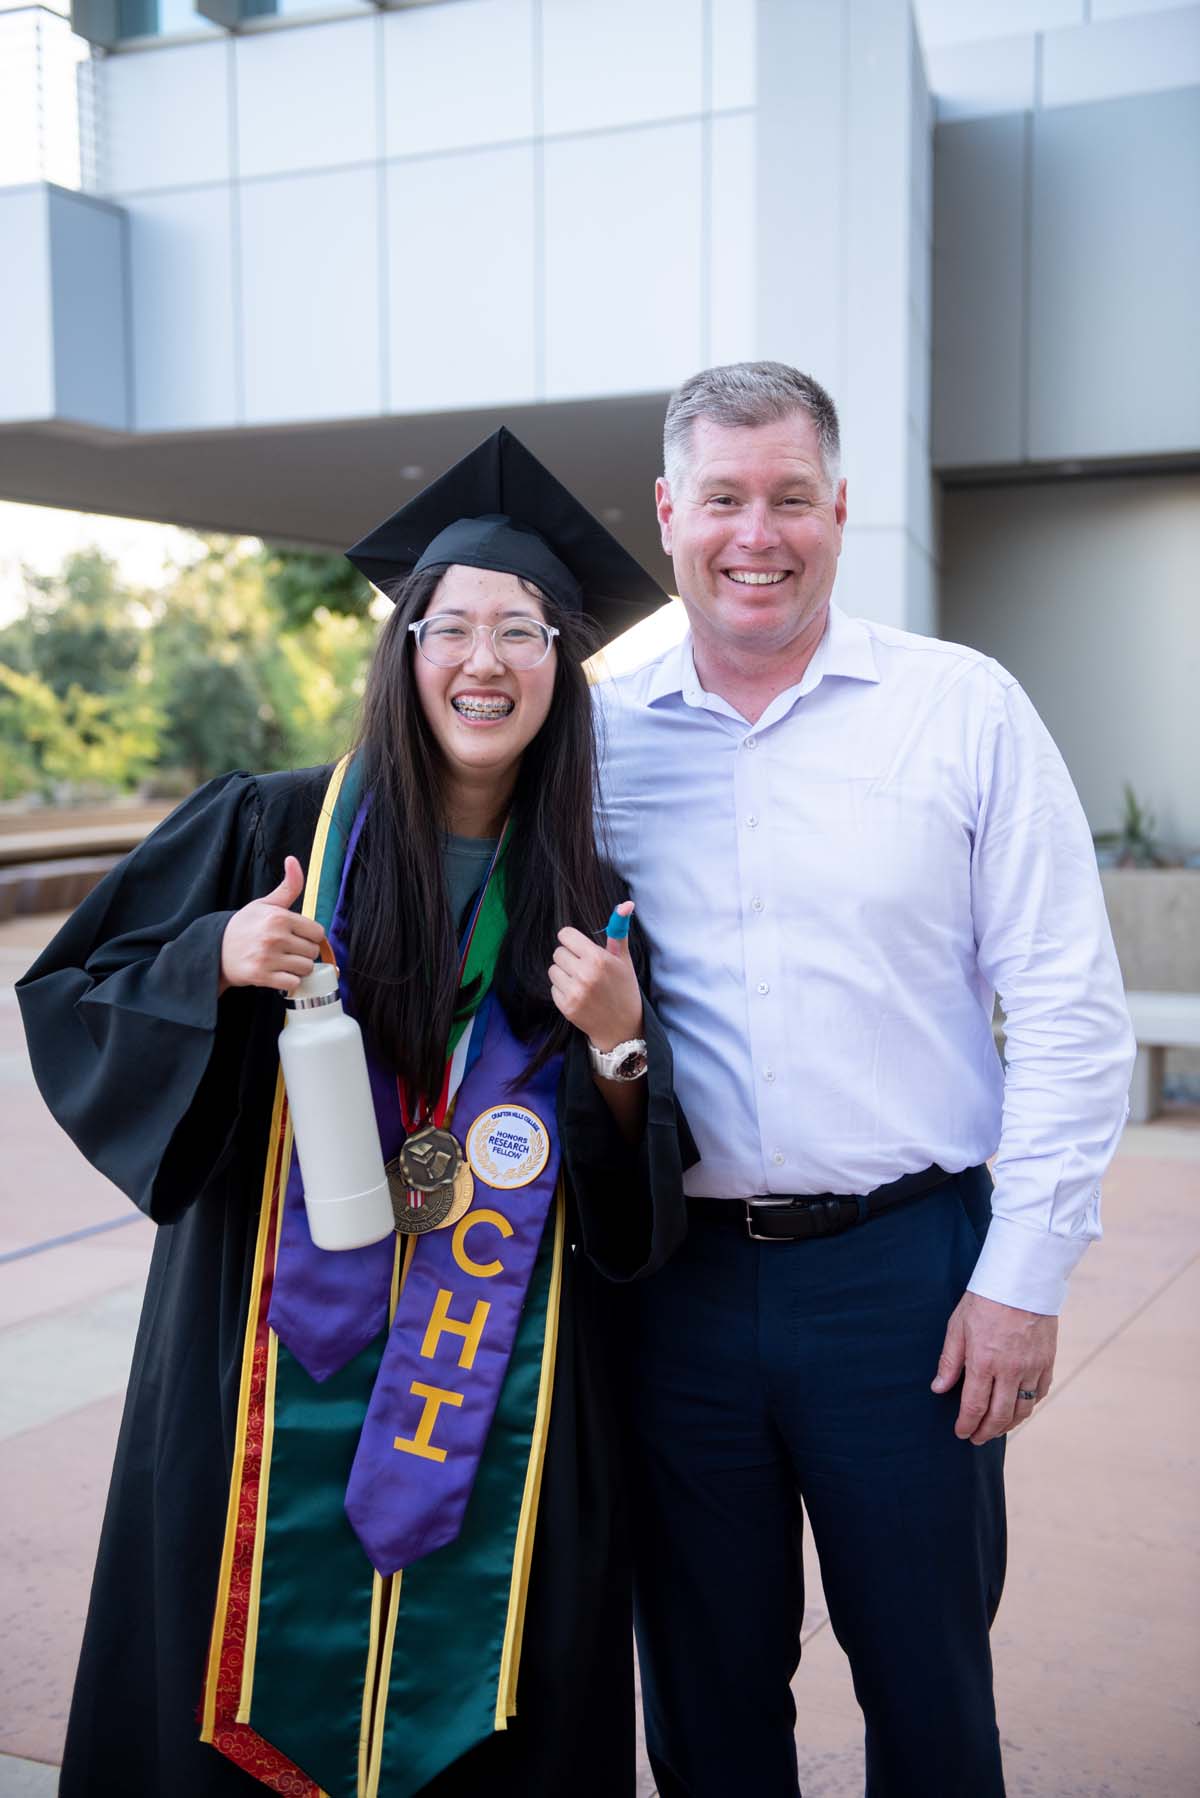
x=755 y=531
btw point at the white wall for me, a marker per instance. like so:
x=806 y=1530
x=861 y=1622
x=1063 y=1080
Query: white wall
x=844 y=220
x=990 y=56
x=353 y=217
x=63 y=308
x=1088 y=591
x=1068 y=264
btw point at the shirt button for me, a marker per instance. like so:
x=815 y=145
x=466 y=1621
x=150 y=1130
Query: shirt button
x=756 y=904
x=777 y=1158
x=764 y=986
x=768 y=1075
x=751 y=742
x=751 y=821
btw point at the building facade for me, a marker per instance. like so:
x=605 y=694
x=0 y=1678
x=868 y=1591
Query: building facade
x=310 y=257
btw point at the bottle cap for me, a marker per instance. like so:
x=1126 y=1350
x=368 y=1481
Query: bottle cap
x=315 y=989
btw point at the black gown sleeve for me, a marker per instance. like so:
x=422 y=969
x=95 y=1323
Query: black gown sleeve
x=629 y=1197
x=133 y=1052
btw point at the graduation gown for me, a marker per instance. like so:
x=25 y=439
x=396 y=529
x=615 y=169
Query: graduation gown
x=168 y=1090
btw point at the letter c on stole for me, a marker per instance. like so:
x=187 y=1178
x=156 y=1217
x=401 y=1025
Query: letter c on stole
x=482 y=1270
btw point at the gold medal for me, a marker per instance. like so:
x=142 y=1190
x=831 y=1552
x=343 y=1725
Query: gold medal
x=413 y=1211
x=464 y=1192
x=429 y=1158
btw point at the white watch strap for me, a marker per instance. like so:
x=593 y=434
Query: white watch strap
x=605 y=1062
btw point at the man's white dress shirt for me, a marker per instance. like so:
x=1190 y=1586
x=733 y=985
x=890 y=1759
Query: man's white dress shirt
x=834 y=894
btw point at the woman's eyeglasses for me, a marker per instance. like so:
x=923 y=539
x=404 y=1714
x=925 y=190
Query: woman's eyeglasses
x=520 y=643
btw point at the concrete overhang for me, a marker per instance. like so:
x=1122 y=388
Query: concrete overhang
x=322 y=485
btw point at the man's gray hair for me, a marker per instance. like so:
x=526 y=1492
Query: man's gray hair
x=748 y=393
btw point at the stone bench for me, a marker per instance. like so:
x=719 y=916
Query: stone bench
x=1161 y=1021
x=51 y=885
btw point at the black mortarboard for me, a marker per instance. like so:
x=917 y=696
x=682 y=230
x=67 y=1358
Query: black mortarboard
x=499 y=508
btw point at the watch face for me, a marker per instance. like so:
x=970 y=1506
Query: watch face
x=631 y=1066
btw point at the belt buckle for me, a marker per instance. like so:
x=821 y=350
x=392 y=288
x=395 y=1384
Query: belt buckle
x=766 y=1205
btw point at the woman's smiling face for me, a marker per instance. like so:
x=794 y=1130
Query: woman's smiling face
x=483 y=714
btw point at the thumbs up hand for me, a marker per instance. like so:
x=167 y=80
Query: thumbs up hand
x=266 y=943
x=596 y=988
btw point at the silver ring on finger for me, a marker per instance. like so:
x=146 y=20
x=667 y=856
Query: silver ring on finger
x=1027 y=1395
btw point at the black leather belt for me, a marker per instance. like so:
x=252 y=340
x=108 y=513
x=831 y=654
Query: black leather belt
x=788 y=1217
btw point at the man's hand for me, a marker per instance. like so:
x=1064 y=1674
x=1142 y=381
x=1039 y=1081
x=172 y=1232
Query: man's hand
x=267 y=944
x=1001 y=1352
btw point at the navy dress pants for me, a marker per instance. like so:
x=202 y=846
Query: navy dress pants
x=770 y=1373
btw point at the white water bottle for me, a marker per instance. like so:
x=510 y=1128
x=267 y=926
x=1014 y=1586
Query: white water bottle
x=333 y=1118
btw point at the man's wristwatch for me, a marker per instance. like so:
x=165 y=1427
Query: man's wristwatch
x=626 y=1062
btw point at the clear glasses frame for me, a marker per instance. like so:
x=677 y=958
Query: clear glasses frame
x=530 y=641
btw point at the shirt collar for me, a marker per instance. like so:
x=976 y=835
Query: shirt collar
x=845 y=649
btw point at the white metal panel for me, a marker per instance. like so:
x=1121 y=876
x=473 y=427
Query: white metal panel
x=1145 y=54
x=164 y=118
x=620 y=62
x=26 y=318
x=920 y=587
x=873 y=571
x=800 y=187
x=968 y=21
x=310 y=296
x=732 y=256
x=978 y=292
x=920 y=273
x=622 y=258
x=1116 y=9
x=919 y=486
x=919 y=381
x=87 y=271
x=921 y=124
x=734 y=52
x=181 y=275
x=879 y=204
x=461 y=313
x=1114 y=274
x=973 y=81
x=306 y=97
x=440 y=99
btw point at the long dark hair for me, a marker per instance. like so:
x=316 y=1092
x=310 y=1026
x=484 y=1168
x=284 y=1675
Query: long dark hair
x=401 y=941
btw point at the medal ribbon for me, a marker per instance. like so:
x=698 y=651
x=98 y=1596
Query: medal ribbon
x=417 y=1114
x=327 y=1305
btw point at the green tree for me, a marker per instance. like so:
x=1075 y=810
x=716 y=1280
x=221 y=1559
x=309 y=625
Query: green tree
x=94 y=742
x=244 y=683
x=230 y=664
x=210 y=630
x=315 y=683
x=301 y=583
x=80 y=627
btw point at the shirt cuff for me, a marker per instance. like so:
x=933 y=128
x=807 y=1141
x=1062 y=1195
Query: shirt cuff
x=1026 y=1268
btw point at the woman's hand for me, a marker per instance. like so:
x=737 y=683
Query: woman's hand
x=266 y=944
x=596 y=988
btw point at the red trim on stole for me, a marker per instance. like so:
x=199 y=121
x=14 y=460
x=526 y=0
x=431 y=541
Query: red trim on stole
x=237 y=1741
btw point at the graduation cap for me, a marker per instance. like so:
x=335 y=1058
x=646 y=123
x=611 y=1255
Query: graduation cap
x=499 y=508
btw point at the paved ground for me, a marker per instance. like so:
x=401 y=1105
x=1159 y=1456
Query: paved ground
x=1098 y=1640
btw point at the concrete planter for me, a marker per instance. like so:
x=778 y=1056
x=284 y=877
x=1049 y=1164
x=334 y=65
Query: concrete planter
x=1155 y=917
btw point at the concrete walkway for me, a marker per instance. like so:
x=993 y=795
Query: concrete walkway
x=1097 y=1643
